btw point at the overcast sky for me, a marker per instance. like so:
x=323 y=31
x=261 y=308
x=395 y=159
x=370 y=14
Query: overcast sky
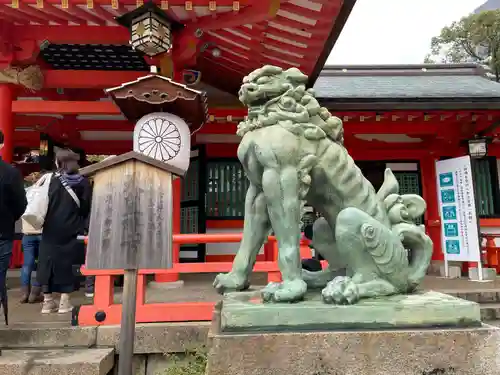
x=395 y=31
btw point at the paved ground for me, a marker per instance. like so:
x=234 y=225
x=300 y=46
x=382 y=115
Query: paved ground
x=196 y=288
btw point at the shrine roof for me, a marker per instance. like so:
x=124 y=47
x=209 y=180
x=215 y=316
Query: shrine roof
x=406 y=83
x=230 y=38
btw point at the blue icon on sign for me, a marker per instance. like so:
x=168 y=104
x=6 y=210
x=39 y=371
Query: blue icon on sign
x=446 y=179
x=452 y=247
x=450 y=213
x=451 y=229
x=448 y=196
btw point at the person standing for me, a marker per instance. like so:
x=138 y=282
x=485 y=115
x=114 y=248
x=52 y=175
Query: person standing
x=68 y=209
x=31 y=290
x=13 y=203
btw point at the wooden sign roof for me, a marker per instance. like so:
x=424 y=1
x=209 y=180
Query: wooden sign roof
x=155 y=93
x=132 y=155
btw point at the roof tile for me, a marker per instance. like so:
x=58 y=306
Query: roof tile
x=332 y=84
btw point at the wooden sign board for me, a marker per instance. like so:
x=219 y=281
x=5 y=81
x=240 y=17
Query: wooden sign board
x=131 y=215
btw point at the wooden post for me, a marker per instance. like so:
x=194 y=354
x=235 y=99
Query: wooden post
x=176 y=229
x=430 y=194
x=127 y=328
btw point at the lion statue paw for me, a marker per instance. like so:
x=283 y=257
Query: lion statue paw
x=230 y=282
x=286 y=291
x=341 y=291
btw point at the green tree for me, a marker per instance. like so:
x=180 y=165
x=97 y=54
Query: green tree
x=475 y=38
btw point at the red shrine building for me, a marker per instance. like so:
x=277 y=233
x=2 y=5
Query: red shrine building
x=58 y=57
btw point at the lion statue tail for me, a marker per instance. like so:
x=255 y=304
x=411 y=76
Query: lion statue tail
x=414 y=238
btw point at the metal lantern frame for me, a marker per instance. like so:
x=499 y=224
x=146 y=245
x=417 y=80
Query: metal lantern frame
x=478 y=147
x=153 y=42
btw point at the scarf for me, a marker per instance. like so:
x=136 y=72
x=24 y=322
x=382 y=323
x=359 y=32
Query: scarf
x=72 y=179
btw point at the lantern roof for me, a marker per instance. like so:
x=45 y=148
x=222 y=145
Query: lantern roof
x=155 y=93
x=149 y=6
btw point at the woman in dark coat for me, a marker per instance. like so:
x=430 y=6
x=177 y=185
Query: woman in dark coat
x=65 y=220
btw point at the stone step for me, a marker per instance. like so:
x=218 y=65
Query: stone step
x=476 y=295
x=57 y=362
x=495 y=323
x=490 y=311
x=36 y=336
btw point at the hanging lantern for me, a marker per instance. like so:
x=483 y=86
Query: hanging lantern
x=150 y=29
x=478 y=148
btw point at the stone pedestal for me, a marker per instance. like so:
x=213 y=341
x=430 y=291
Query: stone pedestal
x=397 y=352
x=395 y=336
x=245 y=312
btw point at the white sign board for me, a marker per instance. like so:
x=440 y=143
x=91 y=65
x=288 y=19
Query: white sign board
x=460 y=235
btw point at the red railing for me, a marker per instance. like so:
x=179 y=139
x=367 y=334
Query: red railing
x=104 y=311
x=17 y=259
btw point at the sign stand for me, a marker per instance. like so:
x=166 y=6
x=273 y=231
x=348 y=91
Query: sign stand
x=459 y=220
x=446 y=269
x=480 y=262
x=127 y=328
x=130 y=228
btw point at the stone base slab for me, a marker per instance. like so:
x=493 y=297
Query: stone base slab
x=40 y=336
x=166 y=285
x=245 y=312
x=57 y=362
x=489 y=274
x=472 y=351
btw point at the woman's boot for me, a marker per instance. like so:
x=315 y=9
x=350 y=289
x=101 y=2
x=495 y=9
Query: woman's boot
x=49 y=305
x=64 y=304
x=35 y=295
x=25 y=293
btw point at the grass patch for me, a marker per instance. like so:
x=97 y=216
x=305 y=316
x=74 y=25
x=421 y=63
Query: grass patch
x=189 y=363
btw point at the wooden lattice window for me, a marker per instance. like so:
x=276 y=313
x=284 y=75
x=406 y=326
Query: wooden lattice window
x=486 y=189
x=190 y=183
x=193 y=207
x=227 y=185
x=189 y=219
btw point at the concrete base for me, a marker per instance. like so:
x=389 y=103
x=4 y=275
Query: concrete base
x=39 y=336
x=57 y=362
x=245 y=312
x=454 y=272
x=166 y=285
x=489 y=274
x=471 y=351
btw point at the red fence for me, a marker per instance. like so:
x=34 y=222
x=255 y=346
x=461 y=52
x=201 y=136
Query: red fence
x=105 y=312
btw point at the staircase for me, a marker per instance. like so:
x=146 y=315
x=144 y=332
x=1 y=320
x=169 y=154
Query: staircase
x=52 y=349
x=488 y=299
x=56 y=362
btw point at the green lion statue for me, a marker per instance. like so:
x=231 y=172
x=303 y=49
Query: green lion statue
x=292 y=152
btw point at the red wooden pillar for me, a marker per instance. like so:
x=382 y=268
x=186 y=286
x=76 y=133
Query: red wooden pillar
x=430 y=194
x=176 y=228
x=6 y=123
